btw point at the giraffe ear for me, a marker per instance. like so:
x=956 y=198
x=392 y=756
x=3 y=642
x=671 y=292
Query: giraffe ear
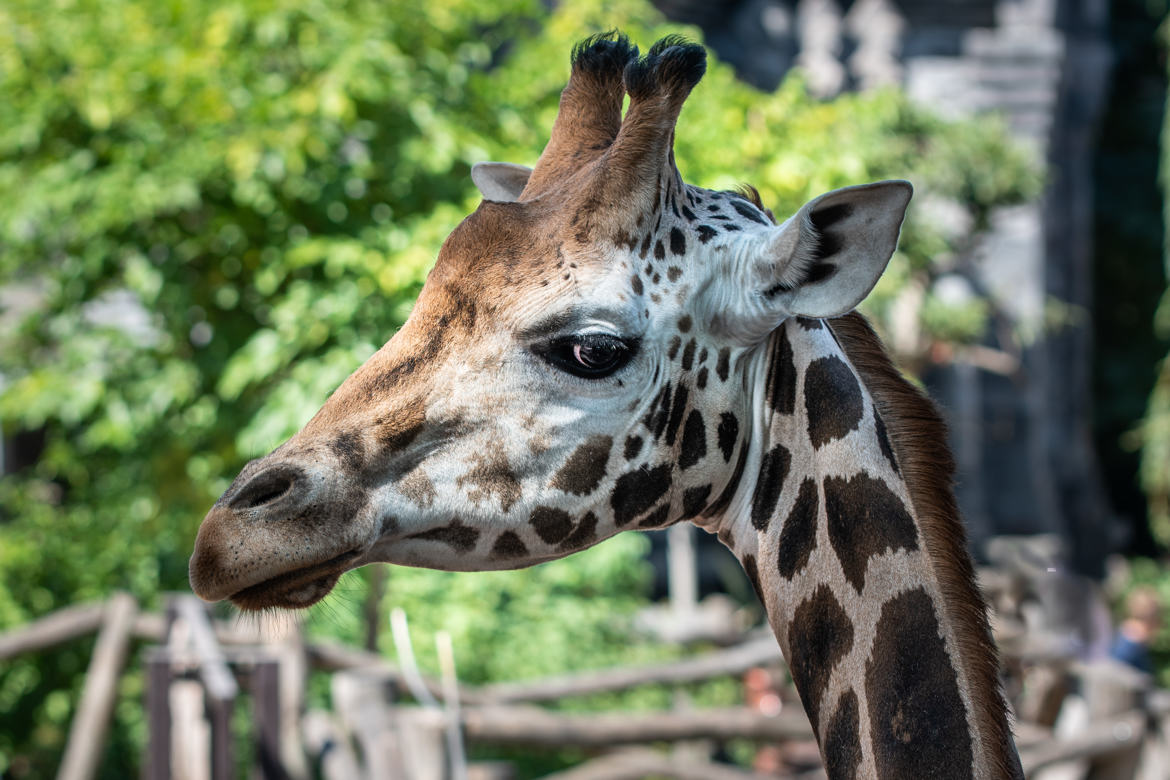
x=500 y=181
x=825 y=259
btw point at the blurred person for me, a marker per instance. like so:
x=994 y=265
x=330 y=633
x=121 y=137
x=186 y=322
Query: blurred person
x=1143 y=618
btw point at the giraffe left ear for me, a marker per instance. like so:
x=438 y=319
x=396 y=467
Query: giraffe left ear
x=500 y=181
x=825 y=259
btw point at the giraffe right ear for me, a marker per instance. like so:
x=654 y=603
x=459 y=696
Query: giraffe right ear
x=500 y=181
x=820 y=263
x=828 y=257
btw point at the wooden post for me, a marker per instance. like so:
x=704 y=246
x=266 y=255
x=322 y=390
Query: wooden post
x=326 y=742
x=360 y=704
x=190 y=757
x=373 y=607
x=286 y=647
x=419 y=733
x=87 y=733
x=158 y=715
x=223 y=759
x=219 y=683
x=683 y=579
x=266 y=706
x=1111 y=689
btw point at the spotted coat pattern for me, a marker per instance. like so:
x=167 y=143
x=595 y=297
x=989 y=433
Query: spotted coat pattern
x=465 y=444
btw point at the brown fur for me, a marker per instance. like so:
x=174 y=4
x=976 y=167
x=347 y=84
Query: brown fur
x=590 y=113
x=918 y=436
x=604 y=168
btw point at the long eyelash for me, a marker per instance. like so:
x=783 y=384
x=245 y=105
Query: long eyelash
x=558 y=353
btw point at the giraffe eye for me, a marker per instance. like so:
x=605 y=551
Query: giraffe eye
x=590 y=355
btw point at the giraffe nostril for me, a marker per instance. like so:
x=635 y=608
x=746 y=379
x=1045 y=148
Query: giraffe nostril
x=266 y=487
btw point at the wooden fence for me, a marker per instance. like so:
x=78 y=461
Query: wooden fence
x=389 y=721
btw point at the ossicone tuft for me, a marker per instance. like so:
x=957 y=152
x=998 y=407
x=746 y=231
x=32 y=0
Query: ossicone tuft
x=673 y=66
x=604 y=53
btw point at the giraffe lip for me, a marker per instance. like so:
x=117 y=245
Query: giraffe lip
x=295 y=589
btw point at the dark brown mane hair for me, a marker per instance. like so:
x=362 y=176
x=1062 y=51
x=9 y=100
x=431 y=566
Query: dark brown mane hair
x=918 y=436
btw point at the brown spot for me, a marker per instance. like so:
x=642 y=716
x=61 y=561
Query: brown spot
x=865 y=519
x=583 y=535
x=832 y=399
x=753 y=574
x=491 y=475
x=657 y=518
x=695 y=500
x=701 y=378
x=460 y=537
x=396 y=432
x=884 y=441
x=722 y=365
x=638 y=490
x=418 y=488
x=632 y=448
x=387 y=526
x=819 y=636
x=917 y=719
x=676 y=413
x=636 y=283
x=727 y=433
x=843 y=739
x=584 y=469
x=659 y=413
x=678 y=243
x=721 y=503
x=798 y=535
x=551 y=525
x=659 y=250
x=509 y=545
x=675 y=344
x=673 y=273
x=773 y=472
x=684 y=323
x=808 y=323
x=693 y=447
x=688 y=357
x=782 y=376
x=347 y=446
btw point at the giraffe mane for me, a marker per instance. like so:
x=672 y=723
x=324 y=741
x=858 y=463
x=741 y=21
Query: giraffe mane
x=918 y=436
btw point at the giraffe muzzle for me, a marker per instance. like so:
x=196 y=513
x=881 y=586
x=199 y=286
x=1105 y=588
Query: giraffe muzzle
x=280 y=536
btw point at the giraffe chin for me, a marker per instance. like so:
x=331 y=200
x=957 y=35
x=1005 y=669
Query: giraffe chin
x=298 y=589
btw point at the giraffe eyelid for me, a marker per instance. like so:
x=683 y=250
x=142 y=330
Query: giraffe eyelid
x=558 y=352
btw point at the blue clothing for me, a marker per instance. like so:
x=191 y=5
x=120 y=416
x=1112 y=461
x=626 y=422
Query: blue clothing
x=1133 y=653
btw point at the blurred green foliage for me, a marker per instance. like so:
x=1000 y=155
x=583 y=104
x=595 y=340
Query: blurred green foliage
x=211 y=213
x=1155 y=428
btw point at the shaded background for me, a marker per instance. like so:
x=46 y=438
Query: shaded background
x=211 y=213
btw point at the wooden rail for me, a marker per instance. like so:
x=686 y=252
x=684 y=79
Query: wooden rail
x=1123 y=707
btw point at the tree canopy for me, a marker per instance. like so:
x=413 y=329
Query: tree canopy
x=210 y=214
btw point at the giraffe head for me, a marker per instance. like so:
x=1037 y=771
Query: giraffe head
x=583 y=359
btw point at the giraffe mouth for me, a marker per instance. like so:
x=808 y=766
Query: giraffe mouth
x=296 y=589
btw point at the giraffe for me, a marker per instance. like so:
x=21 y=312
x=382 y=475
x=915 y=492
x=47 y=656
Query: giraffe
x=603 y=347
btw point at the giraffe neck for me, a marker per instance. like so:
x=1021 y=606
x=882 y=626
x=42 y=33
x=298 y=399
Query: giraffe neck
x=852 y=540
